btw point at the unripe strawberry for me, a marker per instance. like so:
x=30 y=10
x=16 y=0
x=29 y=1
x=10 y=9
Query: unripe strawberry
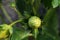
x=3 y=34
x=34 y=22
x=4 y=31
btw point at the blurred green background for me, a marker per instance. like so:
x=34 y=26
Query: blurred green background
x=14 y=16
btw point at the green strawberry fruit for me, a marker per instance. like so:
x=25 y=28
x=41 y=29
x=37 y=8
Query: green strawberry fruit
x=34 y=22
x=4 y=31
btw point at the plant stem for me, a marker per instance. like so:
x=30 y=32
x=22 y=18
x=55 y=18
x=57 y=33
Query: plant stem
x=35 y=33
x=34 y=11
x=13 y=5
x=0 y=5
x=1 y=15
x=26 y=36
x=19 y=14
x=5 y=13
x=16 y=22
x=2 y=19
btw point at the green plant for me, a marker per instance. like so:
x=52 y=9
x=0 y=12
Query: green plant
x=31 y=23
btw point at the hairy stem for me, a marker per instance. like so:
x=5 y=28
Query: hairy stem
x=5 y=13
x=19 y=14
x=13 y=5
x=16 y=22
x=35 y=33
x=34 y=11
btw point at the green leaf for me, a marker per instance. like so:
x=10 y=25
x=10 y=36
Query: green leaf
x=0 y=1
x=59 y=1
x=36 y=6
x=49 y=27
x=55 y=3
x=51 y=3
x=47 y=3
x=44 y=37
x=20 y=4
x=50 y=24
x=24 y=6
x=26 y=14
x=19 y=34
x=1 y=28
